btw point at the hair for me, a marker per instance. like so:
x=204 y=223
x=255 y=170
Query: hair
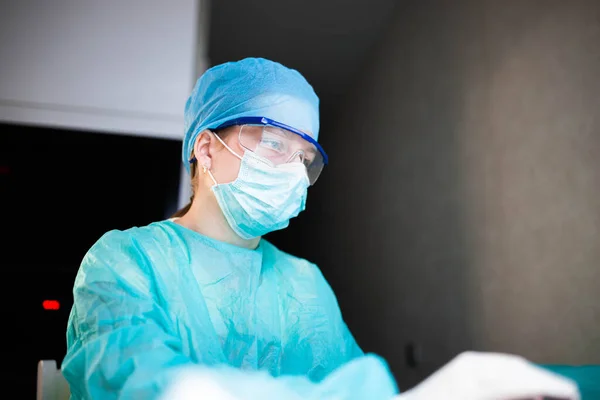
x=194 y=182
x=194 y=175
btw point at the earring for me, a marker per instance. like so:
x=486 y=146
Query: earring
x=204 y=168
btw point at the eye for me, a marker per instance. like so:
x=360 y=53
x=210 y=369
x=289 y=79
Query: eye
x=273 y=142
x=309 y=157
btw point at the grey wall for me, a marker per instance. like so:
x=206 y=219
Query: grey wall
x=463 y=204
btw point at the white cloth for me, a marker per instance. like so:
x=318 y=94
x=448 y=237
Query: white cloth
x=492 y=376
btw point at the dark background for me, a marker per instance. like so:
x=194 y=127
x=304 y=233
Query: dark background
x=49 y=178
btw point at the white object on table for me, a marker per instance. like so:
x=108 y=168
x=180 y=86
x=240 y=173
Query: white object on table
x=491 y=376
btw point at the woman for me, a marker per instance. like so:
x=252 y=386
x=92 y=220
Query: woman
x=203 y=289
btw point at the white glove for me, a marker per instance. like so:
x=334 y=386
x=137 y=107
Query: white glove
x=491 y=376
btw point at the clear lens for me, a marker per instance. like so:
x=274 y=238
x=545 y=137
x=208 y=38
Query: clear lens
x=281 y=146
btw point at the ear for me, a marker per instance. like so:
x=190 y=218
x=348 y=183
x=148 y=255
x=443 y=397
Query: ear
x=202 y=149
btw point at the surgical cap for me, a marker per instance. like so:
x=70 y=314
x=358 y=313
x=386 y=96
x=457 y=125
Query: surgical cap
x=252 y=87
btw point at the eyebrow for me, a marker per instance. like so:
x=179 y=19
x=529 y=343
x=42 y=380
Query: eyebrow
x=309 y=148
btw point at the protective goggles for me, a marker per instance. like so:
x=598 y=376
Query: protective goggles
x=280 y=144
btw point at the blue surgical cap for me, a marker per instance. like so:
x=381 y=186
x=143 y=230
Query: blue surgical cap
x=252 y=87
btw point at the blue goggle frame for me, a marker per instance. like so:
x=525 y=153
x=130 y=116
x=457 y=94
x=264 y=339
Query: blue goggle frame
x=267 y=121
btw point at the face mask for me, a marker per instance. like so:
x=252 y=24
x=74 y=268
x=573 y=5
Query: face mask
x=264 y=197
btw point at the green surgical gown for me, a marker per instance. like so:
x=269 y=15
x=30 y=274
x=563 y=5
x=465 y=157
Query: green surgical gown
x=152 y=299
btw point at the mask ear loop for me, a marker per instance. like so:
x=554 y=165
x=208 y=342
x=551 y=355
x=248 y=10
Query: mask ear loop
x=207 y=170
x=209 y=174
x=227 y=147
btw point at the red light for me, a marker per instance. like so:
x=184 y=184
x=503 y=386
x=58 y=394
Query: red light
x=51 y=305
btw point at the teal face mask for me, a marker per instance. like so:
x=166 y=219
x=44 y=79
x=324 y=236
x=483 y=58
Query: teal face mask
x=264 y=197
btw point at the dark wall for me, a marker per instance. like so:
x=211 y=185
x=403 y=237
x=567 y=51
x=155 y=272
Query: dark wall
x=327 y=41
x=59 y=192
x=461 y=209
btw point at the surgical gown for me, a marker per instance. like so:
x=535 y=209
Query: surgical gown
x=150 y=300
